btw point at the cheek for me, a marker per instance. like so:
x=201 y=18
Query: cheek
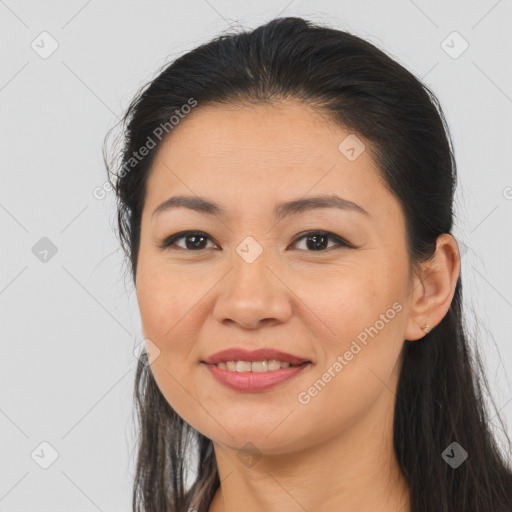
x=362 y=316
x=348 y=299
x=164 y=296
x=171 y=368
x=357 y=371
x=169 y=310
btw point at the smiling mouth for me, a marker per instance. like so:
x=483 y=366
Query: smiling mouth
x=238 y=376
x=256 y=366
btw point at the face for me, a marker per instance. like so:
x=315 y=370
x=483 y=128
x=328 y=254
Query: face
x=253 y=280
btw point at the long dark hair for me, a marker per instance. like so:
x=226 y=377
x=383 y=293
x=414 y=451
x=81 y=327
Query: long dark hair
x=440 y=396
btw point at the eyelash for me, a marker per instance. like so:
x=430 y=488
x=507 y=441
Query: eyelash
x=171 y=240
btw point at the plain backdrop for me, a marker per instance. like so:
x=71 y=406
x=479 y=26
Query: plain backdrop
x=69 y=320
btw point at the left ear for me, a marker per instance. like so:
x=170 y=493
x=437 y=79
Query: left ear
x=433 y=290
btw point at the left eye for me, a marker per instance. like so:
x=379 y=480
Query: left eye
x=317 y=239
x=314 y=239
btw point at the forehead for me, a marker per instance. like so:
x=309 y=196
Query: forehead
x=281 y=132
x=249 y=155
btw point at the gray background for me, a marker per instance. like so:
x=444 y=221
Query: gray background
x=70 y=323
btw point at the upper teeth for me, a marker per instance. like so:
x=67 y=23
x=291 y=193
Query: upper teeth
x=255 y=366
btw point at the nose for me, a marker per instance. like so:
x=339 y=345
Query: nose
x=253 y=295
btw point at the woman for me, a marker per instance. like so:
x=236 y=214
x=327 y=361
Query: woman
x=285 y=202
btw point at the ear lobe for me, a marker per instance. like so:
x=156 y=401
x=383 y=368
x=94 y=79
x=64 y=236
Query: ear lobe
x=434 y=288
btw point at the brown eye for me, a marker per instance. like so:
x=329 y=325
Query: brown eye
x=318 y=240
x=194 y=240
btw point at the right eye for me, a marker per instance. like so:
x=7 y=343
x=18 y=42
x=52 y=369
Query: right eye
x=197 y=240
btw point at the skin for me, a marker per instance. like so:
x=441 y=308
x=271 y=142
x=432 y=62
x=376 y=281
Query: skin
x=334 y=452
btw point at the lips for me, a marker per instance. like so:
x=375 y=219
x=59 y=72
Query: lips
x=262 y=354
x=255 y=382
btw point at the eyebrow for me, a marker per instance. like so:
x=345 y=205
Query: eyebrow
x=297 y=206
